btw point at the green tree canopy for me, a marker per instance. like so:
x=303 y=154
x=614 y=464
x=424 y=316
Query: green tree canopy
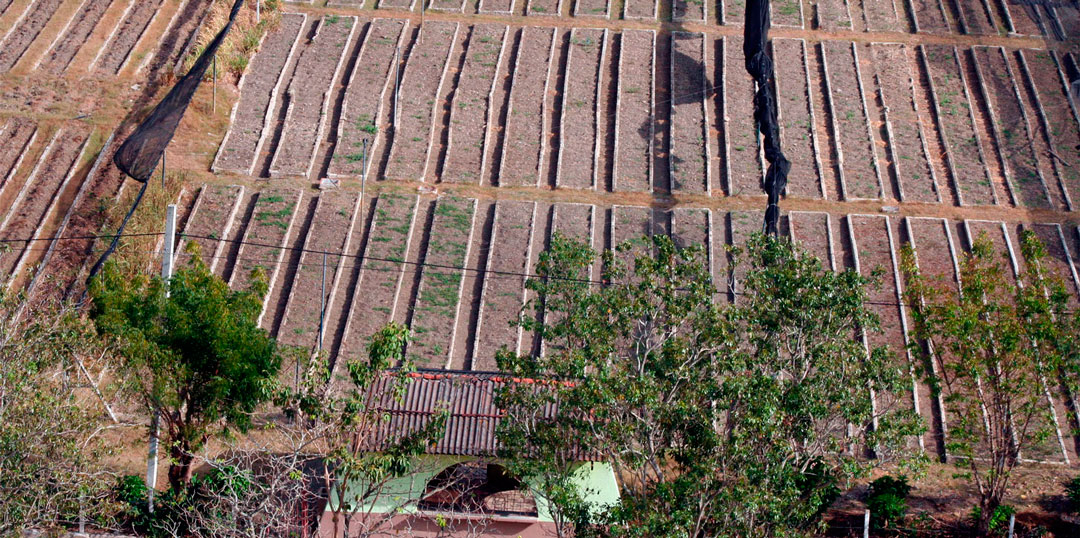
x=194 y=350
x=721 y=419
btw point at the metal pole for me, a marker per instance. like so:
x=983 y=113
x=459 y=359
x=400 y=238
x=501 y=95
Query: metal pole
x=397 y=84
x=363 y=178
x=258 y=11
x=155 y=422
x=163 y=170
x=866 y=524
x=215 y=84
x=322 y=302
x=1012 y=524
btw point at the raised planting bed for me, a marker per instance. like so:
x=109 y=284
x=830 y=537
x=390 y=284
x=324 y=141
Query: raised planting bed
x=25 y=30
x=860 y=176
x=1053 y=448
x=732 y=11
x=1011 y=130
x=689 y=10
x=956 y=124
x=883 y=16
x=38 y=197
x=640 y=9
x=834 y=15
x=471 y=111
x=744 y=165
x=116 y=51
x=1025 y=20
x=575 y=221
x=579 y=143
x=178 y=38
x=634 y=121
x=873 y=246
x=497 y=7
x=1059 y=262
x=264 y=237
x=692 y=227
x=257 y=94
x=331 y=232
x=813 y=232
x=592 y=8
x=68 y=42
x=437 y=306
x=17 y=136
x=407 y=5
x=365 y=97
x=742 y=225
x=689 y=155
x=907 y=143
x=421 y=85
x=877 y=250
x=223 y=264
x=446 y=5
x=549 y=8
x=719 y=242
x=787 y=13
x=936 y=257
x=975 y=17
x=1057 y=118
x=525 y=136
x=210 y=222
x=930 y=17
x=796 y=114
x=629 y=226
x=381 y=272
x=503 y=292
x=319 y=65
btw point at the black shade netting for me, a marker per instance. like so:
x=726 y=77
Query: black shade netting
x=139 y=155
x=760 y=66
x=141 y=152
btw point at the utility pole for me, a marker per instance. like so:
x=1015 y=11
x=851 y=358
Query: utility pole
x=155 y=422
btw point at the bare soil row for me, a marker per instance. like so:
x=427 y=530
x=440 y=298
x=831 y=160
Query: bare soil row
x=116 y=52
x=24 y=31
x=68 y=43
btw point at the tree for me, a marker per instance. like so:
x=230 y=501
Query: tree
x=50 y=471
x=721 y=420
x=996 y=343
x=345 y=425
x=193 y=350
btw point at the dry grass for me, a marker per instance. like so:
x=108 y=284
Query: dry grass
x=243 y=41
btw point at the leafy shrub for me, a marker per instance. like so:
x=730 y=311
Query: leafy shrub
x=998 y=523
x=887 y=501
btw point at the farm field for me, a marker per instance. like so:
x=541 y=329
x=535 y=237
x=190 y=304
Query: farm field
x=409 y=161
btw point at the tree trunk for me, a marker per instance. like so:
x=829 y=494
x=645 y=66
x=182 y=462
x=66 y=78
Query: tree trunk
x=180 y=468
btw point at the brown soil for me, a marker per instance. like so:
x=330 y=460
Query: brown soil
x=1057 y=119
x=210 y=221
x=20 y=38
x=14 y=139
x=640 y=9
x=504 y=7
x=931 y=17
x=41 y=189
x=504 y=290
x=471 y=115
x=272 y=217
x=796 y=125
x=425 y=73
x=744 y=164
x=308 y=95
x=549 y=8
x=63 y=51
x=436 y=310
x=174 y=42
x=524 y=131
x=859 y=165
x=259 y=82
x=330 y=232
x=953 y=111
x=689 y=131
x=787 y=13
x=579 y=136
x=634 y=133
x=591 y=8
x=447 y=5
x=127 y=36
x=366 y=96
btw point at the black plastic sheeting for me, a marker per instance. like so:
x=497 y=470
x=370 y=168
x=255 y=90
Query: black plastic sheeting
x=139 y=155
x=760 y=66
